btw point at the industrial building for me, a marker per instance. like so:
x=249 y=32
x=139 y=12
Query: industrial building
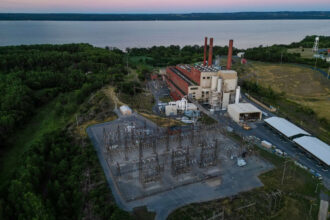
x=206 y=83
x=179 y=106
x=285 y=127
x=242 y=112
x=315 y=147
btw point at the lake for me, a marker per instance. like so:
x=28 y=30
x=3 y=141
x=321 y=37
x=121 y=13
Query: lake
x=124 y=34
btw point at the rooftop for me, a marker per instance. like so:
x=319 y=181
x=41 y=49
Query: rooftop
x=285 y=127
x=244 y=108
x=228 y=74
x=182 y=76
x=316 y=147
x=200 y=68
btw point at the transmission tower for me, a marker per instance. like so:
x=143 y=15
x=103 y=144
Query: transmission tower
x=316 y=44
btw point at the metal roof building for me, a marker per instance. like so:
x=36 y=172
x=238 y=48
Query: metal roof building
x=316 y=147
x=285 y=127
x=244 y=112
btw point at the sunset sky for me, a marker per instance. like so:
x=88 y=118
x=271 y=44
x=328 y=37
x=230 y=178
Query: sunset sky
x=160 y=6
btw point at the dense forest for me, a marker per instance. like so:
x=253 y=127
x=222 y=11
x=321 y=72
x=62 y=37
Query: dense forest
x=279 y=53
x=47 y=181
x=157 y=17
x=161 y=56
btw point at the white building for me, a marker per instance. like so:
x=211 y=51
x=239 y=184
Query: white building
x=244 y=112
x=315 y=147
x=240 y=54
x=181 y=105
x=285 y=127
x=125 y=110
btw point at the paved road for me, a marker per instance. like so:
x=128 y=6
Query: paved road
x=263 y=132
x=159 y=90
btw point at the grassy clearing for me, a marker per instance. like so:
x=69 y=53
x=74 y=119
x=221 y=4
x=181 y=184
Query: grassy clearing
x=160 y=121
x=138 y=60
x=81 y=129
x=297 y=196
x=142 y=102
x=304 y=52
x=166 y=99
x=300 y=84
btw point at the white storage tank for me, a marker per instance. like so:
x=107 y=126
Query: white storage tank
x=214 y=83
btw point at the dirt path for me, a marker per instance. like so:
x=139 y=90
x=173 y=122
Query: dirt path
x=110 y=93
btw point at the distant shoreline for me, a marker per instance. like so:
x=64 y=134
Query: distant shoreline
x=289 y=15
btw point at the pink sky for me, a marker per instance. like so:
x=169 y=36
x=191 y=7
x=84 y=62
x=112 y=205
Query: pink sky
x=140 y=6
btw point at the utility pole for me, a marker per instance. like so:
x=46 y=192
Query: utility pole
x=316 y=187
x=315 y=62
x=281 y=56
x=127 y=61
x=284 y=171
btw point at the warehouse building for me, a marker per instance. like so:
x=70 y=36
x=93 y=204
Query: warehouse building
x=315 y=147
x=243 y=112
x=285 y=127
x=206 y=83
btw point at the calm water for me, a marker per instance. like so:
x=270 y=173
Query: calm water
x=124 y=34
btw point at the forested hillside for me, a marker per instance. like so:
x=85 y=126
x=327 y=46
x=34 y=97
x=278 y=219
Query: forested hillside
x=31 y=76
x=46 y=173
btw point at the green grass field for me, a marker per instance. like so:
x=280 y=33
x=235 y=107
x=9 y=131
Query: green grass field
x=304 y=52
x=302 y=85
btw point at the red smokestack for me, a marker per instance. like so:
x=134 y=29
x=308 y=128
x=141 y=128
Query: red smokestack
x=210 y=52
x=205 y=49
x=230 y=53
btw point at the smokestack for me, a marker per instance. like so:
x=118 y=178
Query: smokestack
x=205 y=50
x=210 y=52
x=230 y=53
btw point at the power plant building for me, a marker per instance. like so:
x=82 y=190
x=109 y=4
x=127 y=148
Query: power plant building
x=205 y=82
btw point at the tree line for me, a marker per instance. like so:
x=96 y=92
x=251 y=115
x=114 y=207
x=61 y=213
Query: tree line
x=157 y=17
x=279 y=53
x=161 y=56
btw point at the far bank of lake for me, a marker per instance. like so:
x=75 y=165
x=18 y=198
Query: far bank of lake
x=122 y=34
